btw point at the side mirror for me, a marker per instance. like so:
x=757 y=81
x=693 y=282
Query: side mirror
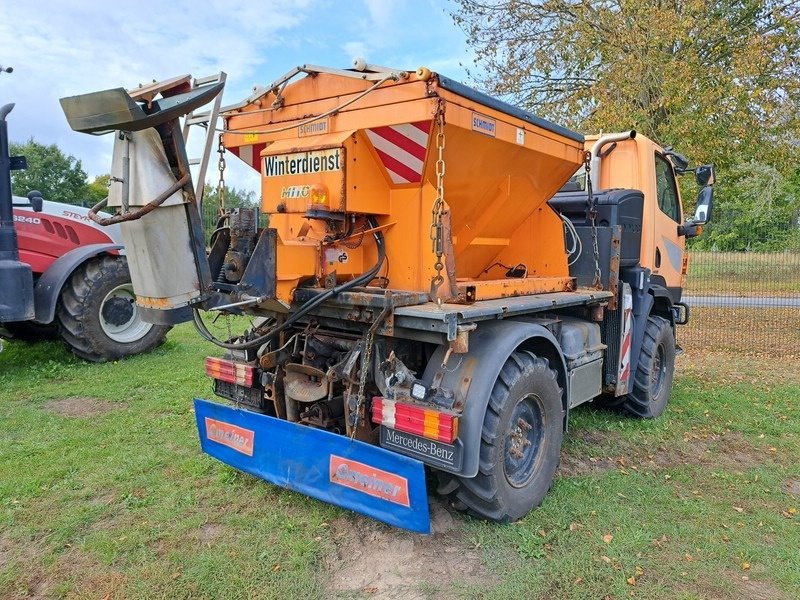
x=705 y=202
x=679 y=161
x=704 y=175
x=35 y=198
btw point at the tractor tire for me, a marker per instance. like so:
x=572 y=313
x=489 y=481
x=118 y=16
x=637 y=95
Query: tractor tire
x=520 y=444
x=28 y=331
x=97 y=314
x=652 y=381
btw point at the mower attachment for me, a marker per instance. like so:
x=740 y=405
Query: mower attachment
x=367 y=479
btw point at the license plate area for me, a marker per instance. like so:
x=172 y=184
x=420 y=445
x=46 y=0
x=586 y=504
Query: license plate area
x=250 y=396
x=438 y=454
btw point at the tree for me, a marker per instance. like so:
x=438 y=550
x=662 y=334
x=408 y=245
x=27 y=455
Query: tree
x=57 y=176
x=98 y=189
x=234 y=198
x=760 y=212
x=718 y=80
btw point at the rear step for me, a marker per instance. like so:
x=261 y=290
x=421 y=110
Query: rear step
x=367 y=479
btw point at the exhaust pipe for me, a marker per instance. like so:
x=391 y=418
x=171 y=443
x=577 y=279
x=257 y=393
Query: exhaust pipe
x=594 y=164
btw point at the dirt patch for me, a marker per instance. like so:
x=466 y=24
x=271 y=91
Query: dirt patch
x=78 y=406
x=739 y=588
x=210 y=531
x=587 y=458
x=792 y=486
x=758 y=590
x=372 y=560
x=729 y=451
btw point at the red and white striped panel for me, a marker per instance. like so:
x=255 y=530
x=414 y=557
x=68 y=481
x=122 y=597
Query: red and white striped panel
x=249 y=154
x=624 y=375
x=402 y=149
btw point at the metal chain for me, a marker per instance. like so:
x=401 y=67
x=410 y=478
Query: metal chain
x=362 y=380
x=437 y=228
x=221 y=184
x=597 y=281
x=366 y=359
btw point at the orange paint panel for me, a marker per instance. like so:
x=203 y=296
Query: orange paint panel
x=495 y=187
x=240 y=439
x=369 y=480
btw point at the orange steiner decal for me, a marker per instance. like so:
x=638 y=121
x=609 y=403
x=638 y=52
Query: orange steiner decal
x=367 y=479
x=239 y=439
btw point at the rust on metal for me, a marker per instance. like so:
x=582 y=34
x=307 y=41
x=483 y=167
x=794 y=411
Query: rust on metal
x=597 y=312
x=140 y=212
x=473 y=291
x=613 y=275
x=304 y=383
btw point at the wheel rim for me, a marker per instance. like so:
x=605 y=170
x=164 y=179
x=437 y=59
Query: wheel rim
x=524 y=443
x=658 y=372
x=120 y=318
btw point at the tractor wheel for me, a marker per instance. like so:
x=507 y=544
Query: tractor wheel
x=652 y=381
x=97 y=314
x=520 y=444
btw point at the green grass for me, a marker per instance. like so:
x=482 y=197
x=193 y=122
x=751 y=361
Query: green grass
x=744 y=273
x=122 y=504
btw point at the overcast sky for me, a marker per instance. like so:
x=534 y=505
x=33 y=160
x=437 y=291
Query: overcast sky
x=62 y=48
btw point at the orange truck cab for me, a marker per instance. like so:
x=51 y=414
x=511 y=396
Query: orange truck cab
x=435 y=288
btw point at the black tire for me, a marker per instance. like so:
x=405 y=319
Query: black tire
x=652 y=381
x=517 y=463
x=97 y=314
x=28 y=331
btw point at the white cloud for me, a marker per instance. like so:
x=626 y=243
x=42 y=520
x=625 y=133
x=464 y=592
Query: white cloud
x=64 y=48
x=60 y=48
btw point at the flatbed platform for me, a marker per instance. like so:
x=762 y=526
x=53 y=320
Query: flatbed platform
x=414 y=314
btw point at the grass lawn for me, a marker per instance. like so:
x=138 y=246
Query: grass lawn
x=744 y=273
x=105 y=494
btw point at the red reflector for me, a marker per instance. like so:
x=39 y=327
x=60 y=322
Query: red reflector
x=425 y=422
x=227 y=370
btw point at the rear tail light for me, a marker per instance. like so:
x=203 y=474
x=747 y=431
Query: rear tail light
x=425 y=422
x=227 y=370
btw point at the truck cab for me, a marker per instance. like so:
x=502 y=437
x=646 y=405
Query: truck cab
x=639 y=163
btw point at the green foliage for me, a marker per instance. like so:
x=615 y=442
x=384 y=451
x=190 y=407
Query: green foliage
x=59 y=177
x=98 y=189
x=233 y=197
x=760 y=211
x=719 y=81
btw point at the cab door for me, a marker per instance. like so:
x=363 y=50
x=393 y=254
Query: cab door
x=669 y=246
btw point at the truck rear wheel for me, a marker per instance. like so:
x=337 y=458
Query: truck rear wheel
x=97 y=314
x=652 y=381
x=520 y=443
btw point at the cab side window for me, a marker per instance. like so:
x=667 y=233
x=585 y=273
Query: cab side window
x=666 y=190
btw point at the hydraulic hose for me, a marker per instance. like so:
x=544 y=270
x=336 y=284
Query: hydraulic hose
x=307 y=307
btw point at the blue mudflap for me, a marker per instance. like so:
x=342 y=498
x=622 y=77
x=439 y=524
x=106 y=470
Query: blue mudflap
x=381 y=484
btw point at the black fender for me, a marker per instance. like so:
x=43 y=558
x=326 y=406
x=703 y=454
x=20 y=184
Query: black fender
x=48 y=287
x=475 y=373
x=662 y=302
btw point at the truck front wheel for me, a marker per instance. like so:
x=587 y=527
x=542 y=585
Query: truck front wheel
x=97 y=314
x=520 y=443
x=652 y=381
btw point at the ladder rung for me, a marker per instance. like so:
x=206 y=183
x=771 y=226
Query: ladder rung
x=194 y=161
x=205 y=80
x=196 y=119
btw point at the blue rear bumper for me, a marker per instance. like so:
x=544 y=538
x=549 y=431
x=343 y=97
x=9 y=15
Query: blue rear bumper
x=378 y=483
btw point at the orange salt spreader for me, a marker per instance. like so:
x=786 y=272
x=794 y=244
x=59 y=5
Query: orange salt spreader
x=457 y=182
x=436 y=285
